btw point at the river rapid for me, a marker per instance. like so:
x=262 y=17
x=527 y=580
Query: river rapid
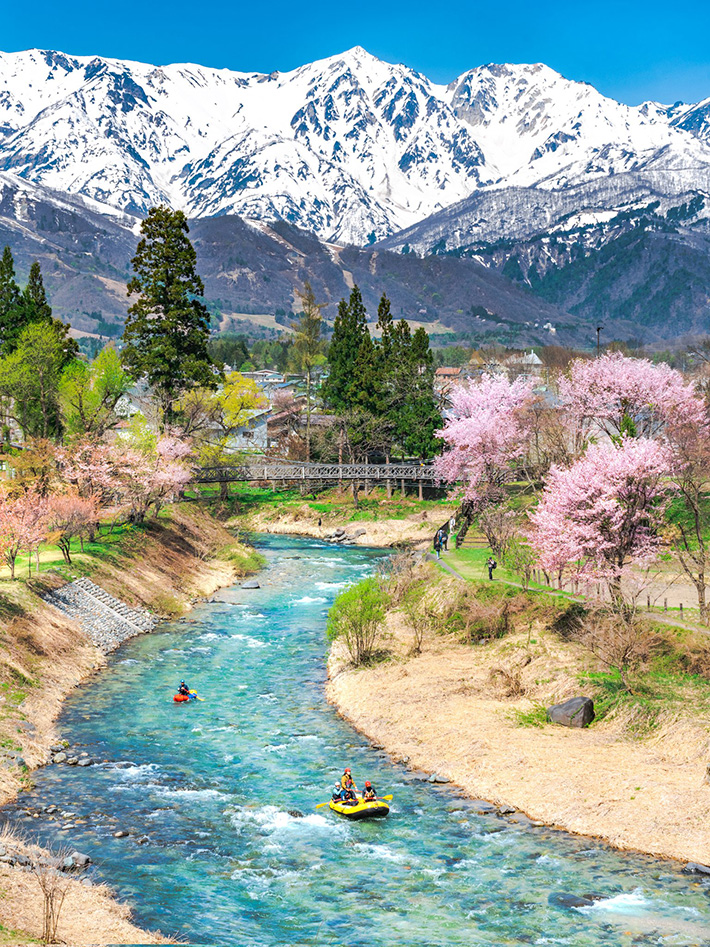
x=206 y=791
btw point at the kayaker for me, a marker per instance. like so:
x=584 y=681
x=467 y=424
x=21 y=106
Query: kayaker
x=370 y=793
x=184 y=689
x=347 y=781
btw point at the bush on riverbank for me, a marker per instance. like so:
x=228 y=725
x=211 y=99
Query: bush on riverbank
x=356 y=619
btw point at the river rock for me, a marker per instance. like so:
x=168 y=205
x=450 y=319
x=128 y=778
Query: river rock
x=121 y=834
x=56 y=748
x=85 y=761
x=358 y=533
x=143 y=840
x=59 y=758
x=575 y=712
x=562 y=899
x=251 y=584
x=295 y=813
x=695 y=868
x=506 y=810
x=483 y=807
x=72 y=761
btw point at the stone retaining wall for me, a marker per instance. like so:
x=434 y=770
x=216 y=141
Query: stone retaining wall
x=106 y=620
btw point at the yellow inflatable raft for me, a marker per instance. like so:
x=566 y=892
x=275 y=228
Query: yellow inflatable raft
x=361 y=810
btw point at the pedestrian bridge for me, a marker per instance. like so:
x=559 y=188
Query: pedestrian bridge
x=287 y=470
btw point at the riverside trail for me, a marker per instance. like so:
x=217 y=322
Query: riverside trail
x=213 y=792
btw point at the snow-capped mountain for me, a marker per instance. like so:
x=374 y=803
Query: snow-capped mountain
x=350 y=147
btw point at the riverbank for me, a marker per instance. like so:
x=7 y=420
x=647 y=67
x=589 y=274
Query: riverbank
x=471 y=713
x=165 y=567
x=377 y=520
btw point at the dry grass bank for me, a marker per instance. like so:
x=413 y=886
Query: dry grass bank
x=460 y=710
x=416 y=529
x=166 y=567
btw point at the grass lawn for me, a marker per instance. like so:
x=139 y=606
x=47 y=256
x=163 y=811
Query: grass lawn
x=106 y=547
x=245 y=499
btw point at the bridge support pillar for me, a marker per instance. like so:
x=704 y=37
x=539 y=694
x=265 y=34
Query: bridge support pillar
x=402 y=490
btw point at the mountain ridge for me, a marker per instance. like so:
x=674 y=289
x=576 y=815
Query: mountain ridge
x=349 y=147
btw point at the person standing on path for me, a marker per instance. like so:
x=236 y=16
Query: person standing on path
x=491 y=564
x=437 y=544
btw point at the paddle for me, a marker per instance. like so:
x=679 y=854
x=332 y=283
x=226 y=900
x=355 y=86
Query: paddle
x=321 y=804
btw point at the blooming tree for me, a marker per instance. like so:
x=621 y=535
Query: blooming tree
x=603 y=513
x=616 y=395
x=69 y=515
x=488 y=429
x=90 y=468
x=22 y=524
x=151 y=475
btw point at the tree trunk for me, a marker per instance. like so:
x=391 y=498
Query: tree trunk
x=389 y=482
x=64 y=546
x=402 y=491
x=421 y=482
x=355 y=501
x=224 y=491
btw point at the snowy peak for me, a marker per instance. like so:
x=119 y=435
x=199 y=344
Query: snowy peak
x=350 y=147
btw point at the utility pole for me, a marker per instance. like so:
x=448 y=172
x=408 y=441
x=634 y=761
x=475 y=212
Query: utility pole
x=599 y=329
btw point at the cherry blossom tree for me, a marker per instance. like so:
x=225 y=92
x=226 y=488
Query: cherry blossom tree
x=151 y=475
x=488 y=429
x=603 y=514
x=69 y=515
x=89 y=467
x=617 y=395
x=22 y=524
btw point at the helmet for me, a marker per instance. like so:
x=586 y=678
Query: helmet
x=182 y=682
x=368 y=784
x=347 y=769
x=337 y=786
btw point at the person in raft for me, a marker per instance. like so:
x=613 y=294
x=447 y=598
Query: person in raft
x=370 y=793
x=338 y=793
x=184 y=689
x=347 y=781
x=348 y=797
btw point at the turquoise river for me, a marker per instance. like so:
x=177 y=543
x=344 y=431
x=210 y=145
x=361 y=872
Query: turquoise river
x=214 y=790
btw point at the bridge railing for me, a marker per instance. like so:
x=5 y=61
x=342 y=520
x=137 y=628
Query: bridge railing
x=327 y=472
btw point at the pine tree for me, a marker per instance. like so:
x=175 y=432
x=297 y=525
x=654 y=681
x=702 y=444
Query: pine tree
x=10 y=304
x=420 y=417
x=34 y=298
x=341 y=389
x=167 y=329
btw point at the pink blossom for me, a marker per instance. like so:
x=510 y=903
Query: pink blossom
x=601 y=392
x=603 y=513
x=488 y=429
x=22 y=524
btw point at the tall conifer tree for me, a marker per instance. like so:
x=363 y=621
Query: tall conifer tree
x=10 y=304
x=167 y=329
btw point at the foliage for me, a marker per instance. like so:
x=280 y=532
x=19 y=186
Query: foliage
x=88 y=394
x=70 y=515
x=356 y=618
x=167 y=328
x=604 y=512
x=534 y=716
x=30 y=377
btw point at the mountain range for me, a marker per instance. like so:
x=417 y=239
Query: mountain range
x=513 y=172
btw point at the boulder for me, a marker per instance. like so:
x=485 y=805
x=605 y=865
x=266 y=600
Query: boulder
x=59 y=758
x=358 y=533
x=251 y=584
x=72 y=761
x=84 y=761
x=435 y=778
x=295 y=813
x=80 y=859
x=575 y=712
x=695 y=868
x=121 y=834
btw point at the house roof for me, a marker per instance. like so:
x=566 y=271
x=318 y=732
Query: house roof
x=448 y=372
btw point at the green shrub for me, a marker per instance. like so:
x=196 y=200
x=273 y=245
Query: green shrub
x=356 y=618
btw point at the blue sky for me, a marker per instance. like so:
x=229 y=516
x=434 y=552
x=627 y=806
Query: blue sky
x=628 y=49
